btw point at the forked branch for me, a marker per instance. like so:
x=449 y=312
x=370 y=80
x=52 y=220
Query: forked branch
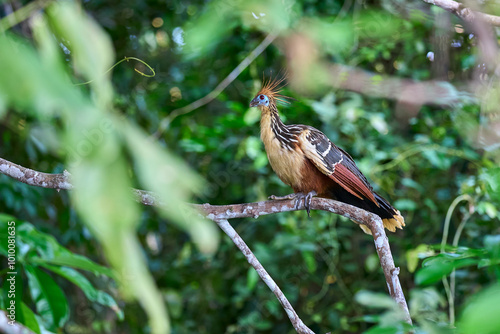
x=222 y=213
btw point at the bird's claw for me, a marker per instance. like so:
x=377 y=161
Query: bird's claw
x=298 y=197
x=306 y=198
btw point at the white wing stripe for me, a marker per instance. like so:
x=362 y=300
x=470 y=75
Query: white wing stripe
x=324 y=154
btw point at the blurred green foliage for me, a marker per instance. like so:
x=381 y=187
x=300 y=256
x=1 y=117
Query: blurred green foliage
x=325 y=265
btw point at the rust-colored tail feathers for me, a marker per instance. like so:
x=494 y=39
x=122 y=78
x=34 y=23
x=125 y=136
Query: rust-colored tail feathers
x=396 y=220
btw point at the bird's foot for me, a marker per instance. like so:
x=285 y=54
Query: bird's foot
x=298 y=197
x=281 y=198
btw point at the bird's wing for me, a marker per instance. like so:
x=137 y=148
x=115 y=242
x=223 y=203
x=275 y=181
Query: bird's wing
x=335 y=163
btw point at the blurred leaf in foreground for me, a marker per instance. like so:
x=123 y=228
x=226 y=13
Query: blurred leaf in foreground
x=481 y=313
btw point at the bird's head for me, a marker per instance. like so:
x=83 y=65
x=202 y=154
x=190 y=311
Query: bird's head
x=260 y=100
x=269 y=94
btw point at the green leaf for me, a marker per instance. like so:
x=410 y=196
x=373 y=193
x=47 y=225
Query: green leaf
x=375 y=300
x=487 y=208
x=12 y=293
x=437 y=267
x=383 y=330
x=333 y=37
x=205 y=32
x=264 y=15
x=378 y=24
x=406 y=204
x=26 y=316
x=253 y=147
x=175 y=302
x=326 y=108
x=160 y=172
x=90 y=291
x=492 y=178
x=50 y=251
x=413 y=256
x=44 y=90
x=7 y=232
x=91 y=52
x=74 y=261
x=310 y=261
x=252 y=279
x=481 y=313
x=252 y=116
x=51 y=303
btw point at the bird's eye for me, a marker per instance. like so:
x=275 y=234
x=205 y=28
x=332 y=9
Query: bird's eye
x=261 y=97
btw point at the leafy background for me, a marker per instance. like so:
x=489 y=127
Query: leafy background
x=93 y=260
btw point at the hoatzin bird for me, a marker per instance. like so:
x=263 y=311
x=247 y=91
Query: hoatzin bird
x=305 y=159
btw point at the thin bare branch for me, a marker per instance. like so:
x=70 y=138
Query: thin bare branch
x=221 y=213
x=34 y=178
x=466 y=14
x=220 y=87
x=297 y=323
x=408 y=91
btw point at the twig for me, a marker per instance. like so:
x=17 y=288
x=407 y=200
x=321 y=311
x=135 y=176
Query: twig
x=407 y=91
x=297 y=323
x=221 y=213
x=220 y=87
x=391 y=273
x=450 y=287
x=466 y=14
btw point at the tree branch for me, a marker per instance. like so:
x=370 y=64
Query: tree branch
x=297 y=323
x=221 y=213
x=165 y=122
x=466 y=14
x=34 y=178
x=408 y=91
x=16 y=328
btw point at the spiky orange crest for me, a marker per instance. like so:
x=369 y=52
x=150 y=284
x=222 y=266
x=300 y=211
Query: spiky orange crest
x=272 y=88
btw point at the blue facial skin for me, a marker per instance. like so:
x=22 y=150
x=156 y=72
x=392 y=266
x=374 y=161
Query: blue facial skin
x=260 y=100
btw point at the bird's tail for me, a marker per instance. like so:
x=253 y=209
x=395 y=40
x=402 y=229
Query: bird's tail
x=396 y=221
x=391 y=217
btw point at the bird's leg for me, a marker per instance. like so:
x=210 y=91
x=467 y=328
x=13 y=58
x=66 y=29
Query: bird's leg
x=307 y=201
x=298 y=197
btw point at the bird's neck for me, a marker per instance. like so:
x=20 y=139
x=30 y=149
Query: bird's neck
x=270 y=121
x=272 y=129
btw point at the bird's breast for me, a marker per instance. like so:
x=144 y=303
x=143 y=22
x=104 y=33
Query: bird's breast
x=286 y=160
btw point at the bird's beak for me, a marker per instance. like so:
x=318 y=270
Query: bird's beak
x=254 y=103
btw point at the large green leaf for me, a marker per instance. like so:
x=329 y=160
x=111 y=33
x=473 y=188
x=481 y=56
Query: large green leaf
x=74 y=261
x=90 y=291
x=481 y=313
x=12 y=291
x=7 y=228
x=51 y=303
x=91 y=49
x=48 y=250
x=162 y=173
x=442 y=265
x=26 y=316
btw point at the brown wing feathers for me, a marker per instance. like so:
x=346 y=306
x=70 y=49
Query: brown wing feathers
x=335 y=163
